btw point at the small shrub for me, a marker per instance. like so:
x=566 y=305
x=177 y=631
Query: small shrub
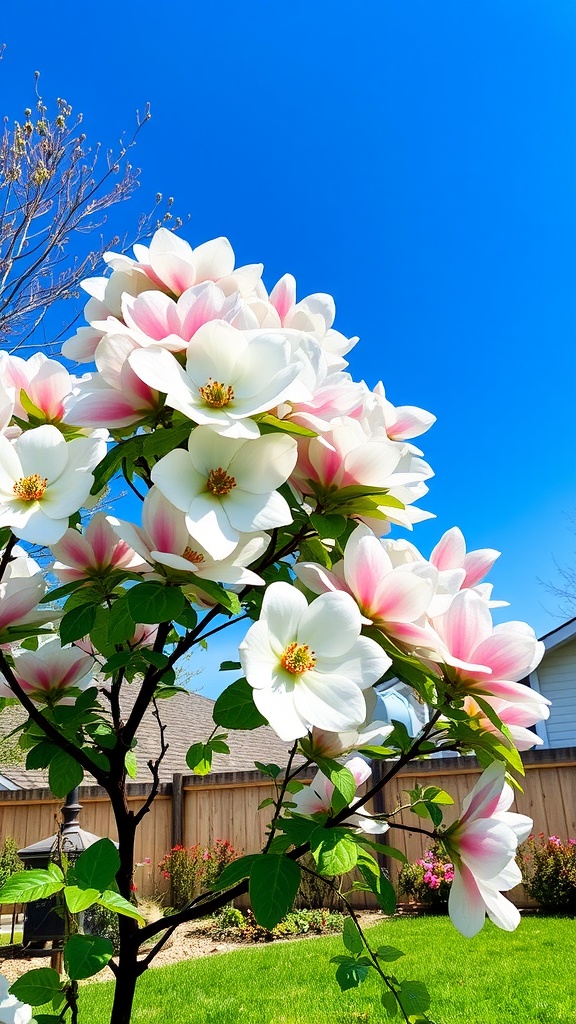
x=194 y=868
x=428 y=880
x=232 y=923
x=548 y=869
x=228 y=919
x=299 y=922
x=9 y=860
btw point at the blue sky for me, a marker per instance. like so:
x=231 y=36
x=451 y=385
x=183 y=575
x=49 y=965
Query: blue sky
x=415 y=160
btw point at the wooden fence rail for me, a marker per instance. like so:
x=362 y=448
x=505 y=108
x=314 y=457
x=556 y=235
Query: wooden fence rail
x=225 y=806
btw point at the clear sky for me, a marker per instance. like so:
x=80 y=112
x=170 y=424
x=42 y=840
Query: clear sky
x=417 y=161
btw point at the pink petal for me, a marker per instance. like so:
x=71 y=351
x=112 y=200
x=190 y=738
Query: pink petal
x=465 y=625
x=478 y=564
x=450 y=550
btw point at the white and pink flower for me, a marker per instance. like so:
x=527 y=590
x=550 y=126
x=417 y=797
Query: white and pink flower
x=317 y=798
x=164 y=540
x=93 y=552
x=46 y=674
x=308 y=664
x=44 y=480
x=390 y=597
x=483 y=844
x=230 y=376
x=227 y=487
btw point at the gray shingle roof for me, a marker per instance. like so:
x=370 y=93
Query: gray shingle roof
x=188 y=720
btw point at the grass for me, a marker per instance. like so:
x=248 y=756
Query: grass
x=496 y=978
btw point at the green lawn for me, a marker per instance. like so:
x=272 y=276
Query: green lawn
x=528 y=977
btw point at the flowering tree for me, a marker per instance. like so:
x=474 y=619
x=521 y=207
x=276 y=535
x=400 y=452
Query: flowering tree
x=268 y=481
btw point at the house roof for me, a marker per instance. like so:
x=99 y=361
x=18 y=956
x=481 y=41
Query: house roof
x=560 y=635
x=188 y=719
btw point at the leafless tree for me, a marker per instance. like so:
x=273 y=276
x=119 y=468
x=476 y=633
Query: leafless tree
x=565 y=589
x=53 y=187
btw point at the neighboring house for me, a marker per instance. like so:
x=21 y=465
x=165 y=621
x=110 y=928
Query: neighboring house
x=555 y=678
x=188 y=719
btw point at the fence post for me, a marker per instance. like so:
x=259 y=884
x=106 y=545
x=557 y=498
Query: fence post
x=177 y=809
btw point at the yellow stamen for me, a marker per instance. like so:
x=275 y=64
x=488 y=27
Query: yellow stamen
x=30 y=488
x=193 y=556
x=217 y=395
x=297 y=658
x=219 y=483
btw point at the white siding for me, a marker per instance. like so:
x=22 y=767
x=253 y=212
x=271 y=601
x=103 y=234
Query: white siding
x=557 y=679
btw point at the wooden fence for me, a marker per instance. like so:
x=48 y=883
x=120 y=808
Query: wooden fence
x=225 y=806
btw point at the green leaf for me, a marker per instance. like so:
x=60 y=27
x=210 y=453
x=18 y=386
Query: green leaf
x=414 y=997
x=24 y=886
x=85 y=955
x=115 y=902
x=199 y=758
x=235 y=708
x=218 y=746
x=380 y=885
x=351 y=936
x=274 y=882
x=37 y=987
x=265 y=803
x=79 y=899
x=41 y=755
x=328 y=526
x=389 y=1002
x=437 y=796
x=228 y=600
x=98 y=865
x=131 y=764
x=351 y=975
x=187 y=617
x=341 y=778
x=76 y=624
x=230 y=666
x=389 y=953
x=63 y=591
x=155 y=602
x=334 y=850
x=272 y=770
x=235 y=872
x=64 y=774
x=299 y=829
x=121 y=625
x=386 y=851
x=286 y=426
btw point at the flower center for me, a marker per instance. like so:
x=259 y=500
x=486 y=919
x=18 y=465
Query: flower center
x=217 y=395
x=193 y=556
x=30 y=488
x=297 y=658
x=219 y=482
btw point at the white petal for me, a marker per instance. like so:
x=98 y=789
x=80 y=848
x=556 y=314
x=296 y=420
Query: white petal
x=282 y=608
x=329 y=702
x=209 y=524
x=259 y=660
x=177 y=479
x=277 y=705
x=330 y=625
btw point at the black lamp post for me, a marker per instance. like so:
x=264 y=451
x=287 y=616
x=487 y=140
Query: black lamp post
x=42 y=922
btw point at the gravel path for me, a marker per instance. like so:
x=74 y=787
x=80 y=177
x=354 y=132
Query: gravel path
x=188 y=942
